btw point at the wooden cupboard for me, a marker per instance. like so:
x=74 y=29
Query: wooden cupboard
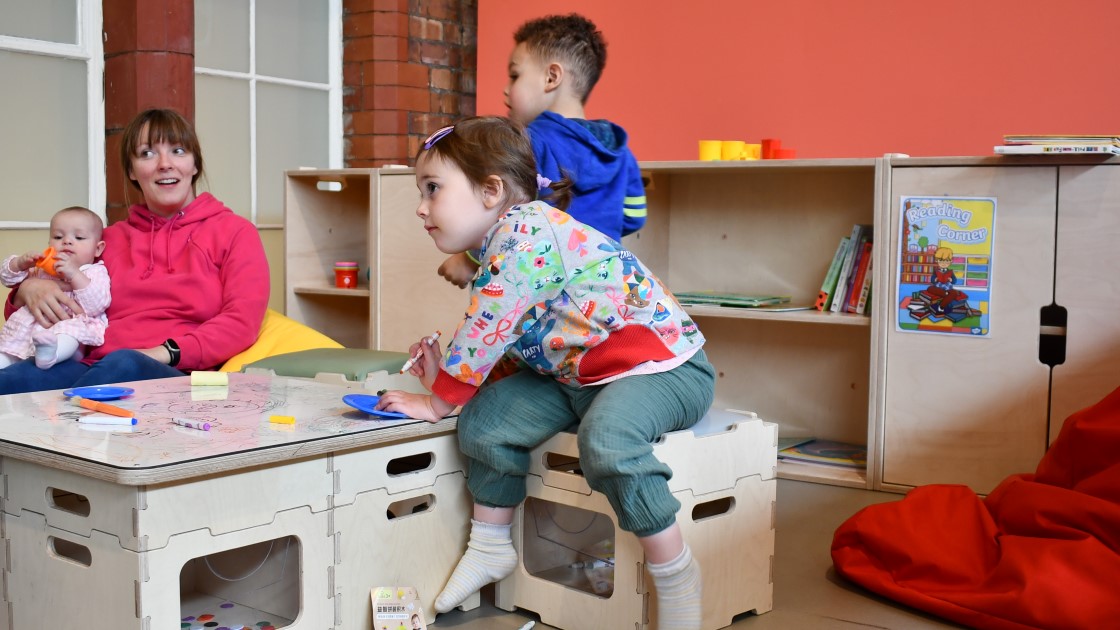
x=972 y=411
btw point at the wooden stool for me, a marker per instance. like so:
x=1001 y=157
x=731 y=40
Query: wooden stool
x=724 y=477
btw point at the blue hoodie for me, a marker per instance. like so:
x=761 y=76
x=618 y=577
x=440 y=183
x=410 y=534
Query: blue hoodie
x=608 y=193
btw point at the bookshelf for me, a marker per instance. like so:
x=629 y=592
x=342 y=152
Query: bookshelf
x=930 y=408
x=771 y=228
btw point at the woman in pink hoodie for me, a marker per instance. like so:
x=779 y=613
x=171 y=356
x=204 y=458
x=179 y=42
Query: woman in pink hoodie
x=190 y=279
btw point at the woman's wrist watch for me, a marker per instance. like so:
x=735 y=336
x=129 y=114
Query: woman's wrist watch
x=173 y=350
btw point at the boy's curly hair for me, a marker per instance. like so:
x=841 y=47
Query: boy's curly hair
x=571 y=38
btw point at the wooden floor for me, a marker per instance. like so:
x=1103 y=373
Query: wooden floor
x=807 y=592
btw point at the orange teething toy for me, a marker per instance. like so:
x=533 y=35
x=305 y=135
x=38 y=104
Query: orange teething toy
x=48 y=261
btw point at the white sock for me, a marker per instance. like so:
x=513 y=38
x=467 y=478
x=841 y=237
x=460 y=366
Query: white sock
x=679 y=595
x=7 y=359
x=490 y=557
x=51 y=348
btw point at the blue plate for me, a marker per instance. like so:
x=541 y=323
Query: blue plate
x=366 y=403
x=102 y=392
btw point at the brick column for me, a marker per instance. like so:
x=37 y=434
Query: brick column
x=408 y=69
x=149 y=62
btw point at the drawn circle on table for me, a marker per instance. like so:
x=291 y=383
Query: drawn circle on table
x=101 y=392
x=367 y=403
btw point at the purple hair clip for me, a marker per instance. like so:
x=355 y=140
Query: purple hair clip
x=437 y=136
x=543 y=182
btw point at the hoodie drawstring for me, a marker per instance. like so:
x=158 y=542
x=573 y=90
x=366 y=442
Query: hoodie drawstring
x=152 y=245
x=170 y=227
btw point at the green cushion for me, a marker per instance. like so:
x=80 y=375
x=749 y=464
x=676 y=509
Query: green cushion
x=353 y=363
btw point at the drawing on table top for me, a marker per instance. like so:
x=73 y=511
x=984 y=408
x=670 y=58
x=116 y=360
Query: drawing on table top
x=239 y=420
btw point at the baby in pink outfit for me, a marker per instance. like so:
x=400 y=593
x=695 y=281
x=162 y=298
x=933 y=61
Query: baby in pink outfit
x=76 y=237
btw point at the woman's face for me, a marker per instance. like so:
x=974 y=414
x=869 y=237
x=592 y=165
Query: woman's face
x=165 y=174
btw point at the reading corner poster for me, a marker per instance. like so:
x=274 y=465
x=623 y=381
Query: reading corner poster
x=945 y=266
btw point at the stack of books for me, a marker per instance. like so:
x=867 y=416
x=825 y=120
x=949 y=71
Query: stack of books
x=847 y=284
x=1058 y=145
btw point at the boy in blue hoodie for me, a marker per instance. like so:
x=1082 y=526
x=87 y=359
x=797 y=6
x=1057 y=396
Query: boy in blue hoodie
x=555 y=63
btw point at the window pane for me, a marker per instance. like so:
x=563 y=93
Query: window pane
x=48 y=20
x=44 y=161
x=221 y=34
x=292 y=39
x=292 y=132
x=222 y=118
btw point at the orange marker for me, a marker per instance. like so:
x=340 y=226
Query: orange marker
x=95 y=405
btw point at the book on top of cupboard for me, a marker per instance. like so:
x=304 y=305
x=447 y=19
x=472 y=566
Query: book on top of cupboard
x=1060 y=139
x=1057 y=149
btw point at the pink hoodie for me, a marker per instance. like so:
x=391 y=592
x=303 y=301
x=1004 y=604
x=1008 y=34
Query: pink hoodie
x=199 y=277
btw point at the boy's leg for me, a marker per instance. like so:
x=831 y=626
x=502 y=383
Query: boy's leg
x=497 y=428
x=25 y=377
x=126 y=365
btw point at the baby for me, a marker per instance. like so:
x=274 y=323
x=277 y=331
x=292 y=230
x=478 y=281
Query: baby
x=75 y=237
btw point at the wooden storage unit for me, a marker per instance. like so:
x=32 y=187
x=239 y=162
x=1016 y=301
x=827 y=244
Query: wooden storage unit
x=756 y=227
x=723 y=476
x=367 y=216
x=772 y=227
x=974 y=410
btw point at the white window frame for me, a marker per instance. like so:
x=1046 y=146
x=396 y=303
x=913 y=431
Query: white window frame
x=333 y=88
x=90 y=48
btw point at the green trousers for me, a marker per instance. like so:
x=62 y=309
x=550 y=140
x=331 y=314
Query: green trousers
x=616 y=424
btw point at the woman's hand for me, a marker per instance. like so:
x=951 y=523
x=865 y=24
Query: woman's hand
x=46 y=301
x=158 y=353
x=420 y=406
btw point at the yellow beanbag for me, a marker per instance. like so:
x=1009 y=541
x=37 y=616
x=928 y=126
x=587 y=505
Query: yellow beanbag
x=279 y=335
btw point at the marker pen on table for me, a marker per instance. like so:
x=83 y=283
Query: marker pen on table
x=103 y=419
x=419 y=353
x=95 y=405
x=193 y=424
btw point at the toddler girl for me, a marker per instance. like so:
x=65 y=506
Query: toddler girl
x=589 y=338
x=75 y=236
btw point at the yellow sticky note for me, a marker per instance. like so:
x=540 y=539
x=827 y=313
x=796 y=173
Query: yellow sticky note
x=282 y=419
x=209 y=378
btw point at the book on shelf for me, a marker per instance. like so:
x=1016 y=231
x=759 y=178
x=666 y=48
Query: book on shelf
x=865 y=290
x=856 y=287
x=1057 y=149
x=828 y=286
x=724 y=298
x=1062 y=139
x=788 y=442
x=860 y=233
x=826 y=452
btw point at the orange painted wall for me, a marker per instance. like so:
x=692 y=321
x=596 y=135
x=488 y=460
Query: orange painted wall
x=835 y=78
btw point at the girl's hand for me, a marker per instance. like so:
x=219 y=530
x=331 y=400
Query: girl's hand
x=46 y=301
x=26 y=261
x=427 y=368
x=420 y=406
x=69 y=270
